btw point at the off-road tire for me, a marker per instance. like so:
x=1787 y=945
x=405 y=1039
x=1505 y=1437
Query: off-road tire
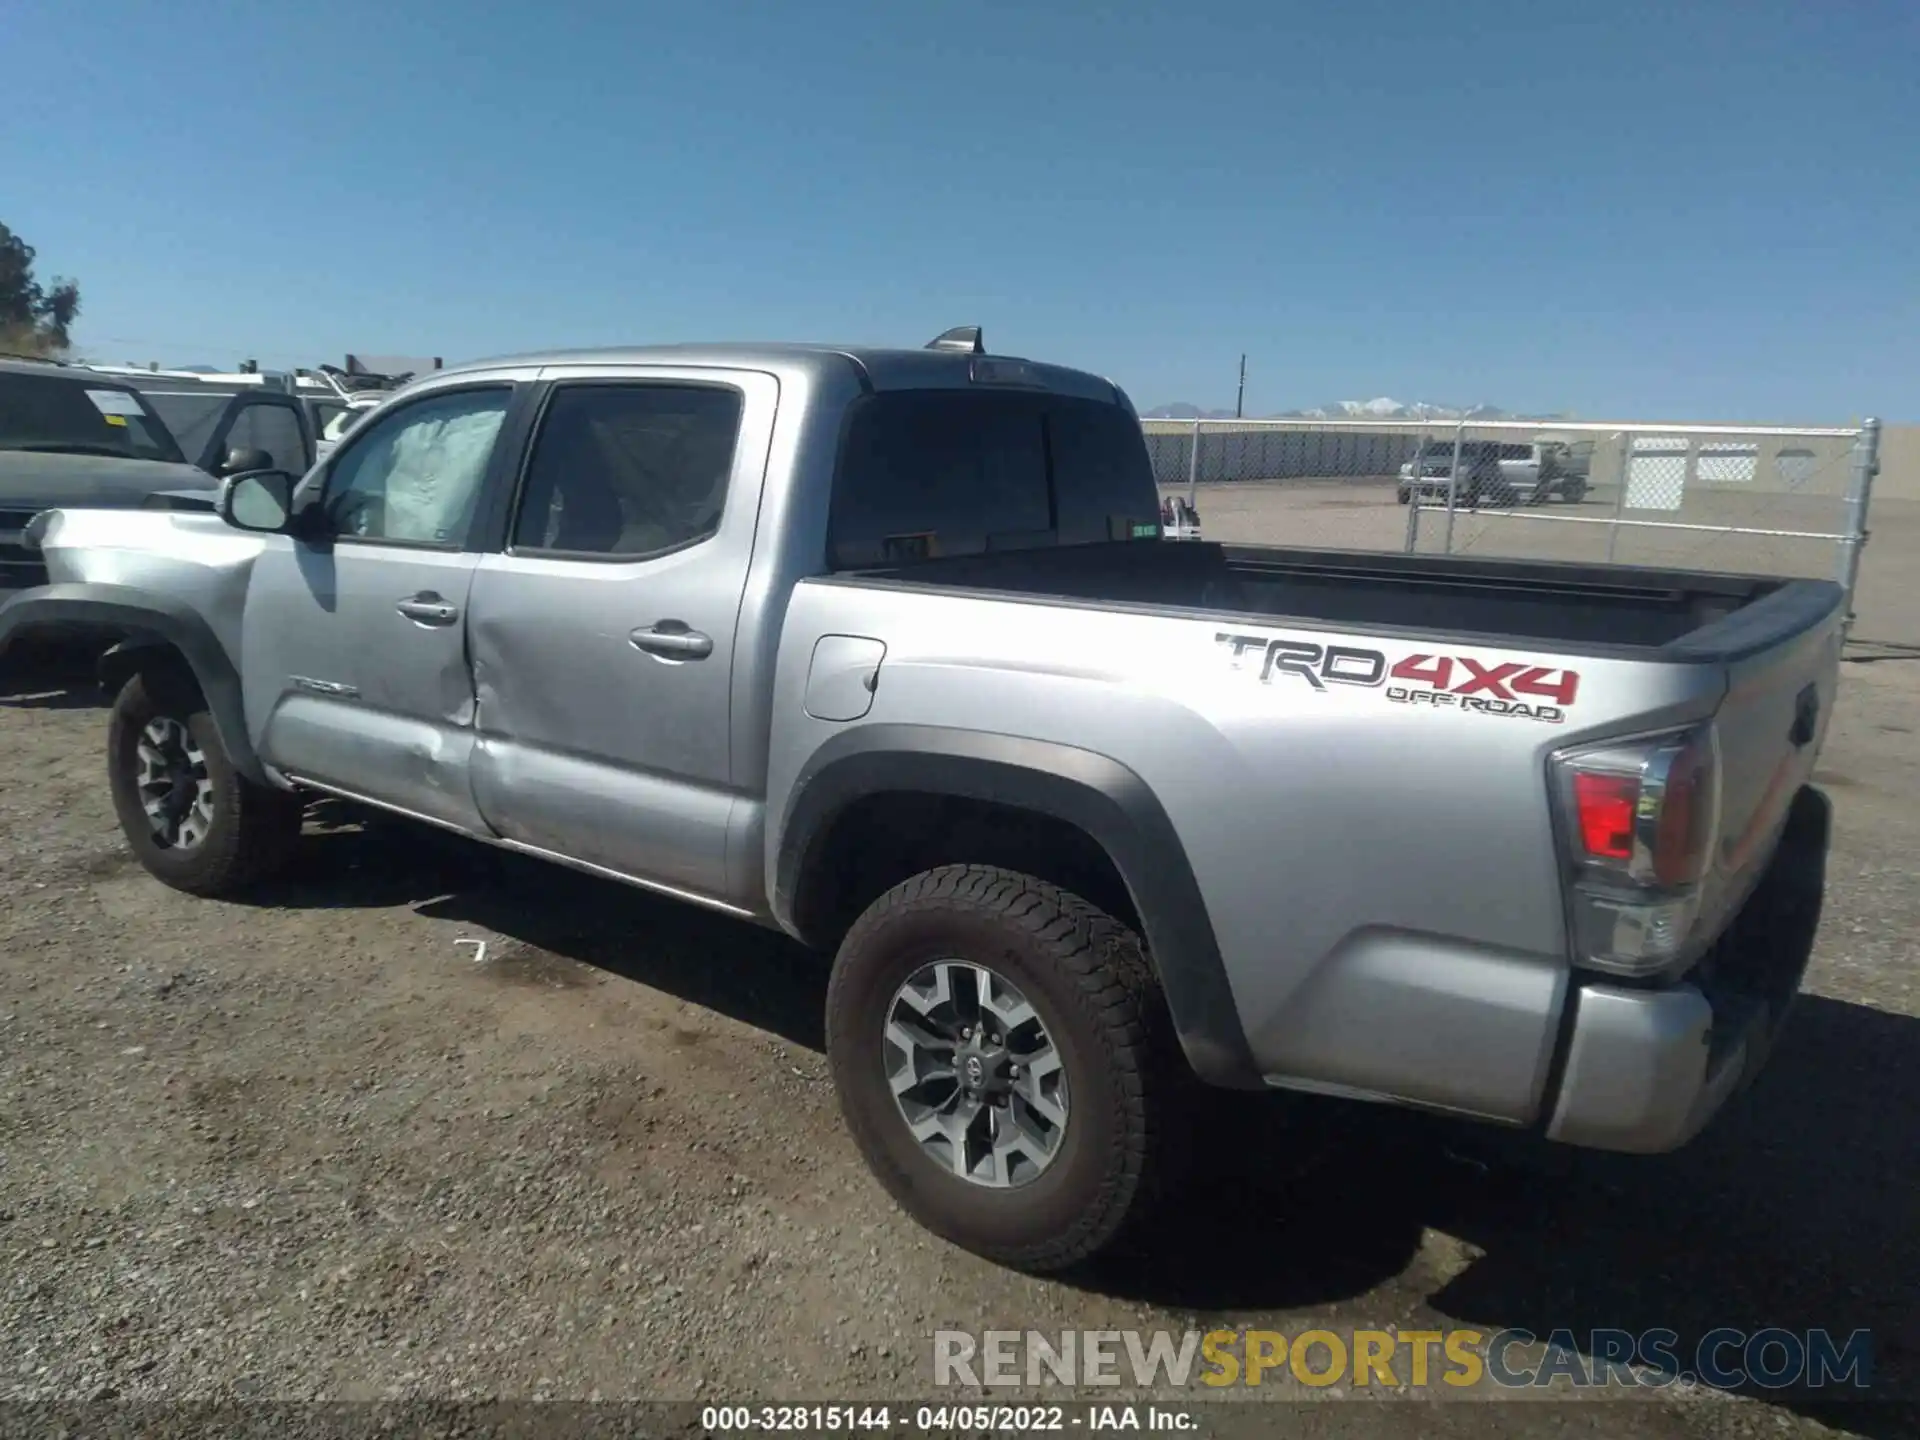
x=1088 y=977
x=254 y=828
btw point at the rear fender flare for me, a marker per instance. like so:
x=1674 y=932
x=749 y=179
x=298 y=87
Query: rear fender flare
x=1092 y=792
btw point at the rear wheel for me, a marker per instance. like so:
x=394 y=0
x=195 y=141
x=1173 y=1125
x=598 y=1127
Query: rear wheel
x=190 y=818
x=1004 y=1060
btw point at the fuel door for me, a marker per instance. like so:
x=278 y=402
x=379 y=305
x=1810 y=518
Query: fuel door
x=843 y=676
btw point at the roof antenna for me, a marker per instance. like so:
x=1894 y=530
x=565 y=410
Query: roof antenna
x=964 y=338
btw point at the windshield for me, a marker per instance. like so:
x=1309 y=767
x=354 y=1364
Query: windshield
x=66 y=415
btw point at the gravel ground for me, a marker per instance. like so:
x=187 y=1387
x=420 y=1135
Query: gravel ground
x=317 y=1146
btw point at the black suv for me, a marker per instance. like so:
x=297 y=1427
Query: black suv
x=224 y=425
x=72 y=436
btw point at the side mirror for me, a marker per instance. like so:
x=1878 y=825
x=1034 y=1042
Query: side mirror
x=261 y=501
x=242 y=458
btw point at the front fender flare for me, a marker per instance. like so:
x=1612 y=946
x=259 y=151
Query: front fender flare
x=143 y=620
x=1094 y=793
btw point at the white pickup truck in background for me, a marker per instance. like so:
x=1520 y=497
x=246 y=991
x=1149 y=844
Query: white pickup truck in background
x=1502 y=472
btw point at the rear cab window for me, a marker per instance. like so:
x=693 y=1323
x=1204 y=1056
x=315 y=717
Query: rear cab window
x=926 y=474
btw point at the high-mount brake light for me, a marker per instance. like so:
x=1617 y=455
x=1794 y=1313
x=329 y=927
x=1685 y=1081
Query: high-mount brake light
x=1640 y=817
x=997 y=370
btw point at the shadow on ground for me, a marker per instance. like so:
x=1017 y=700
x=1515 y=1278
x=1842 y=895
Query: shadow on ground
x=1795 y=1210
x=37 y=676
x=351 y=857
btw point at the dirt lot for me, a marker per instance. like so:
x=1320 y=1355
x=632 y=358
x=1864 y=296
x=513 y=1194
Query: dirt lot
x=315 y=1146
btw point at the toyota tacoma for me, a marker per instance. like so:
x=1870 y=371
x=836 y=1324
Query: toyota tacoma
x=884 y=648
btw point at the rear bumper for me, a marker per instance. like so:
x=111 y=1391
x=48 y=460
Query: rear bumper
x=1647 y=1069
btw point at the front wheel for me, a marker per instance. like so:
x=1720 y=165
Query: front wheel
x=1004 y=1060
x=190 y=818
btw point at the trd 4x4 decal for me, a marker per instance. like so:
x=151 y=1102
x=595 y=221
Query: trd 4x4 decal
x=1504 y=687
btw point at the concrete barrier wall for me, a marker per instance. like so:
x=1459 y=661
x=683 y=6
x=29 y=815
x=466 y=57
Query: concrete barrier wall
x=1899 y=463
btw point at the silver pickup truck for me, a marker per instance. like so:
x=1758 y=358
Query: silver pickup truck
x=882 y=648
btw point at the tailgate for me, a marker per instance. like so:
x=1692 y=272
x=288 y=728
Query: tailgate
x=1782 y=659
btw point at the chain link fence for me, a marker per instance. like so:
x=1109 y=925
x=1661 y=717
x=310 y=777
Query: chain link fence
x=1747 y=499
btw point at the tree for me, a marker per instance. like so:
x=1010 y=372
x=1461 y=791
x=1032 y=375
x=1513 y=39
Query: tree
x=33 y=318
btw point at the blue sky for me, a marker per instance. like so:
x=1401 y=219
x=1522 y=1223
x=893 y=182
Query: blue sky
x=1705 y=210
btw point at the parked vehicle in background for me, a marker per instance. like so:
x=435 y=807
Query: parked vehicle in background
x=865 y=645
x=343 y=397
x=340 y=417
x=1500 y=472
x=1179 y=520
x=1563 y=466
x=71 y=437
x=224 y=423
x=329 y=420
x=331 y=399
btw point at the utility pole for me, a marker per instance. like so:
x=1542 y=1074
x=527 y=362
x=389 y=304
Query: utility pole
x=1240 y=400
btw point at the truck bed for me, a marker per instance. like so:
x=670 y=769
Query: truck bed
x=1582 y=608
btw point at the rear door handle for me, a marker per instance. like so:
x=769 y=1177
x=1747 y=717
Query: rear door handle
x=672 y=640
x=428 y=608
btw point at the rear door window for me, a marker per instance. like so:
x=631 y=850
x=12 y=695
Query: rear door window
x=628 y=470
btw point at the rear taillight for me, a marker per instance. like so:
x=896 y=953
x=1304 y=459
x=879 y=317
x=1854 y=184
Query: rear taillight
x=1640 y=817
x=1604 y=806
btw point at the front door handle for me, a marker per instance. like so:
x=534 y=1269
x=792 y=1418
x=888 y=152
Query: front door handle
x=427 y=608
x=672 y=640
